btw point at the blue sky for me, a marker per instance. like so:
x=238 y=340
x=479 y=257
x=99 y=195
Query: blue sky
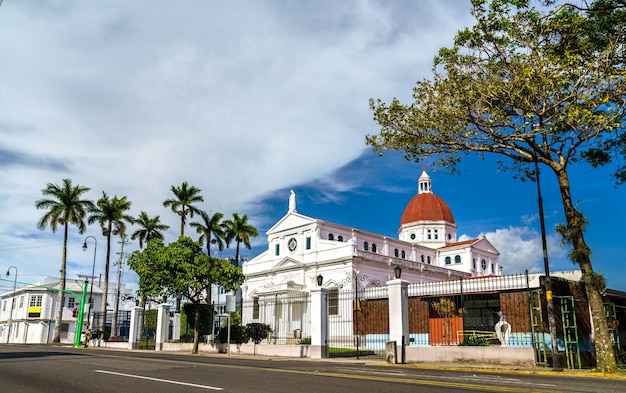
x=246 y=100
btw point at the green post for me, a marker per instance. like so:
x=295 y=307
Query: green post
x=79 y=322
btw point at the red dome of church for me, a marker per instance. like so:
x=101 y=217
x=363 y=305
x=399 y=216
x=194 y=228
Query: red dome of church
x=426 y=206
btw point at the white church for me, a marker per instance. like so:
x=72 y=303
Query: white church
x=303 y=249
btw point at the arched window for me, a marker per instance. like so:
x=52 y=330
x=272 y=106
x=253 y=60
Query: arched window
x=457 y=259
x=430 y=233
x=339 y=238
x=428 y=259
x=366 y=246
x=403 y=254
x=448 y=261
x=436 y=234
x=331 y=237
x=396 y=253
x=374 y=248
x=483 y=264
x=422 y=258
x=449 y=236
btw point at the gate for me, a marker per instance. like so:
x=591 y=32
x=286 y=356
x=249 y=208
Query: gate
x=358 y=322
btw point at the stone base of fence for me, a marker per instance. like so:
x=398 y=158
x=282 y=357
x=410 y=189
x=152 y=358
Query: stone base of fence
x=494 y=355
x=297 y=351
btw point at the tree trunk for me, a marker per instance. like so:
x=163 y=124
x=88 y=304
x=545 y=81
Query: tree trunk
x=196 y=328
x=105 y=289
x=605 y=357
x=56 y=337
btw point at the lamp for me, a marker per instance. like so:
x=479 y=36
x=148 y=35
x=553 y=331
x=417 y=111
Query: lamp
x=93 y=266
x=320 y=280
x=397 y=271
x=12 y=300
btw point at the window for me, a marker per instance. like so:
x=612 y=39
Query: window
x=422 y=258
x=474 y=263
x=255 y=308
x=412 y=236
x=333 y=302
x=374 y=248
x=36 y=300
x=493 y=269
x=71 y=302
x=403 y=254
x=331 y=237
x=22 y=301
x=366 y=246
x=436 y=234
x=457 y=259
x=430 y=235
x=308 y=243
x=448 y=261
x=483 y=264
x=277 y=249
x=396 y=253
x=449 y=236
x=428 y=259
x=4 y=305
x=339 y=238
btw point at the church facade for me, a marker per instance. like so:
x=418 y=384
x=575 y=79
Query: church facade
x=301 y=249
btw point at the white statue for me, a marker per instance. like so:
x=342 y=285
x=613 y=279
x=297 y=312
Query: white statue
x=292 y=201
x=503 y=329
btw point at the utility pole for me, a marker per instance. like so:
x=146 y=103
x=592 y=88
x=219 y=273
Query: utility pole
x=116 y=303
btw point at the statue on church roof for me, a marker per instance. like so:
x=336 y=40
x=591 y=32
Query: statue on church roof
x=292 y=201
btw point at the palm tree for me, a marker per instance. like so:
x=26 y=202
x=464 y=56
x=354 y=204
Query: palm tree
x=239 y=230
x=150 y=228
x=211 y=230
x=65 y=207
x=182 y=205
x=110 y=214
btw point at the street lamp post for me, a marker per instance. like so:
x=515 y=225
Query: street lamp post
x=12 y=300
x=95 y=248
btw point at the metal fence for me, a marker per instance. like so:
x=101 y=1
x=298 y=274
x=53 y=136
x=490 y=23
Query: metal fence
x=289 y=316
x=122 y=328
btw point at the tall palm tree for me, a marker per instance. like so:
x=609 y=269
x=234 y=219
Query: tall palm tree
x=65 y=207
x=110 y=214
x=150 y=228
x=211 y=230
x=182 y=205
x=239 y=230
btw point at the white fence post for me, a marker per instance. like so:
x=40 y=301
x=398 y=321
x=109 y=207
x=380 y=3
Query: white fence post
x=163 y=324
x=319 y=323
x=399 y=314
x=136 y=322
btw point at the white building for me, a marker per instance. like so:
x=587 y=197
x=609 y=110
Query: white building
x=301 y=248
x=30 y=311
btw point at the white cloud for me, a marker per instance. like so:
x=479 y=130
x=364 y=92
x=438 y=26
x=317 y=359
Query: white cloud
x=521 y=248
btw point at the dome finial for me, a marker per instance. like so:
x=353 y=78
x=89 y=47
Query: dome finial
x=424 y=183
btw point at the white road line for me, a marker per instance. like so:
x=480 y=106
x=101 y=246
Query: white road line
x=159 y=380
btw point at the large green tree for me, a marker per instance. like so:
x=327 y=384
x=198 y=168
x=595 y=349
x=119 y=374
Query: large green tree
x=149 y=228
x=532 y=85
x=65 y=206
x=183 y=203
x=239 y=230
x=181 y=267
x=110 y=214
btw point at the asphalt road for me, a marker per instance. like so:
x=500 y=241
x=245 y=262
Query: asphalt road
x=48 y=368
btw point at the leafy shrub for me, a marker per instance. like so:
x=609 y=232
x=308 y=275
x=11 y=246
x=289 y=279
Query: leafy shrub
x=305 y=341
x=238 y=335
x=258 y=331
x=475 y=341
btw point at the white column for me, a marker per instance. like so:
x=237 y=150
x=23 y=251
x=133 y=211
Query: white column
x=136 y=323
x=398 y=313
x=319 y=323
x=176 y=327
x=163 y=324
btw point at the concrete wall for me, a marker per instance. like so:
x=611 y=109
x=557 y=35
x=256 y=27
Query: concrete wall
x=294 y=351
x=471 y=355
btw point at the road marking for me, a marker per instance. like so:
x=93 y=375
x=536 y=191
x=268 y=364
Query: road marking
x=159 y=380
